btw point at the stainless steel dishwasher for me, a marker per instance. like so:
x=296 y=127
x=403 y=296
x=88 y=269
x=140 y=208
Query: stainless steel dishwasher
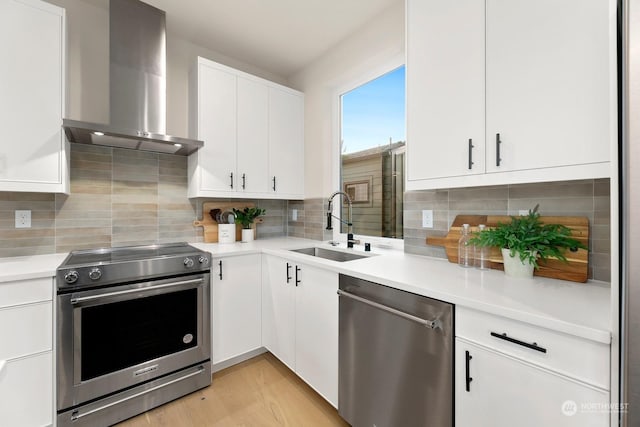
x=396 y=357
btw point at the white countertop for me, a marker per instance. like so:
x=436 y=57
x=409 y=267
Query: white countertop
x=29 y=267
x=581 y=309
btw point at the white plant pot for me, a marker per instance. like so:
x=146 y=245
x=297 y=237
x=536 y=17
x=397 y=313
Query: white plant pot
x=513 y=267
x=247 y=235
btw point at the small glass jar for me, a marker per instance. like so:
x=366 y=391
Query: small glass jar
x=481 y=254
x=465 y=250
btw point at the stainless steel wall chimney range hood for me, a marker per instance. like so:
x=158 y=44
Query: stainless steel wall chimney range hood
x=137 y=87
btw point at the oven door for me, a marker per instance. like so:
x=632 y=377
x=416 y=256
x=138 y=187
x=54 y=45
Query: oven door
x=116 y=337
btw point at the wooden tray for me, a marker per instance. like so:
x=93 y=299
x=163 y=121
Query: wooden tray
x=211 y=226
x=576 y=270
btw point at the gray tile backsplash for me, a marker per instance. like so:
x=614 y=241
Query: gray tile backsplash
x=588 y=198
x=118 y=197
x=311 y=217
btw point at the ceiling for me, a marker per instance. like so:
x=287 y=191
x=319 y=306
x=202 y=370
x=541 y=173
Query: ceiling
x=279 y=36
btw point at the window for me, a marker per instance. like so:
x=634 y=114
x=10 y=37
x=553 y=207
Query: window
x=372 y=150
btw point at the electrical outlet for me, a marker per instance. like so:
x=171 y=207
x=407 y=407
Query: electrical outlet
x=23 y=219
x=427 y=218
x=294 y=214
x=523 y=212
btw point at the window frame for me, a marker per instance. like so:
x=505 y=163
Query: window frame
x=372 y=72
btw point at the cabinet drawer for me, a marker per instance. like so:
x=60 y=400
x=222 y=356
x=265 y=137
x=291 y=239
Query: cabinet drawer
x=25 y=330
x=26 y=391
x=26 y=291
x=566 y=354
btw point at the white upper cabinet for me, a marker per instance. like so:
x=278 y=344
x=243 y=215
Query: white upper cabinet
x=549 y=83
x=33 y=153
x=445 y=81
x=502 y=92
x=246 y=124
x=253 y=136
x=213 y=168
x=286 y=153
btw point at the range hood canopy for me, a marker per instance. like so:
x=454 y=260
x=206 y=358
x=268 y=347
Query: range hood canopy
x=137 y=87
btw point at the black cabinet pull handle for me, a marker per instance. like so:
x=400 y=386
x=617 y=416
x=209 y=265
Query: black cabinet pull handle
x=288 y=268
x=297 y=271
x=498 y=142
x=220 y=265
x=470 y=153
x=468 y=379
x=532 y=346
x=231 y=177
x=244 y=180
x=274 y=183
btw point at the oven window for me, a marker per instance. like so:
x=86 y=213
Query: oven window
x=123 y=334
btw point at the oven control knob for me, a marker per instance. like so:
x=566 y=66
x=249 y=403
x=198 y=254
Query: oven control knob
x=188 y=262
x=95 y=273
x=71 y=277
x=203 y=260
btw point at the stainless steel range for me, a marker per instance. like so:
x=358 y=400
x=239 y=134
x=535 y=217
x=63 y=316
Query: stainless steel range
x=132 y=330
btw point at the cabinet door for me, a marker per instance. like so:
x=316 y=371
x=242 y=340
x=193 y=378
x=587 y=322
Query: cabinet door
x=236 y=306
x=506 y=391
x=216 y=161
x=549 y=83
x=26 y=391
x=317 y=330
x=278 y=311
x=33 y=151
x=286 y=142
x=253 y=132
x=445 y=88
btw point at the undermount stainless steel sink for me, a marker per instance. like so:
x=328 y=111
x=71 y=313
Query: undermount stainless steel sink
x=329 y=254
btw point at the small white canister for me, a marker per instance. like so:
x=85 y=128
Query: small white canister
x=226 y=233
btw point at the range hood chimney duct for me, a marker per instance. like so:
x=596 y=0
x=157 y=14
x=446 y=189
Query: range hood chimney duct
x=137 y=86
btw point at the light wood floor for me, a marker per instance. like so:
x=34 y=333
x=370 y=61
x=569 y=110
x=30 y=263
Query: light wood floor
x=259 y=392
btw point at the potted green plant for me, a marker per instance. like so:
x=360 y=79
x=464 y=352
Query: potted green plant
x=245 y=217
x=525 y=240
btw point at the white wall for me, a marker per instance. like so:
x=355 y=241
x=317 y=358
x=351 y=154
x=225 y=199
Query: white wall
x=366 y=53
x=88 y=66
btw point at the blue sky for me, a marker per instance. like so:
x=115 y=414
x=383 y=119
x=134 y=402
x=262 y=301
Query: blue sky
x=374 y=112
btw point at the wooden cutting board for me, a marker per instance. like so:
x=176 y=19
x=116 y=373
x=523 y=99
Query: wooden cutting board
x=576 y=270
x=211 y=226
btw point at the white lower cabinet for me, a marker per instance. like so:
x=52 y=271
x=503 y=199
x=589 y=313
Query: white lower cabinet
x=26 y=361
x=317 y=330
x=522 y=376
x=26 y=391
x=507 y=391
x=300 y=321
x=236 y=306
x=278 y=308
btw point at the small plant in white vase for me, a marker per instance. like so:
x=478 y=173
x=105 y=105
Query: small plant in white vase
x=245 y=217
x=525 y=240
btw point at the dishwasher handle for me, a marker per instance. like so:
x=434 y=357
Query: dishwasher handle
x=433 y=324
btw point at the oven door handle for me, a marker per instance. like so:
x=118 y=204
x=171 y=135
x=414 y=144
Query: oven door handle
x=77 y=415
x=184 y=283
